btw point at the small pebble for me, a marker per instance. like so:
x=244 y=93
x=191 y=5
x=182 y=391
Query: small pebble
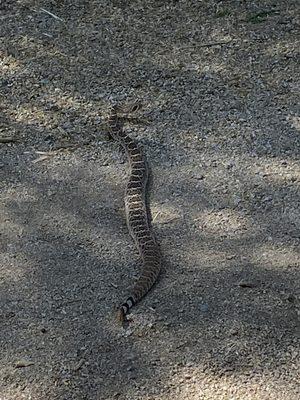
x=291 y=298
x=204 y=307
x=23 y=363
x=246 y=284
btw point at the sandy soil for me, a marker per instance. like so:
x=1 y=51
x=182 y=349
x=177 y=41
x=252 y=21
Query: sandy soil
x=218 y=84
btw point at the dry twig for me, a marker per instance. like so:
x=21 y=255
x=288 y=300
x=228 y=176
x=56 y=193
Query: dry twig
x=8 y=139
x=211 y=44
x=51 y=14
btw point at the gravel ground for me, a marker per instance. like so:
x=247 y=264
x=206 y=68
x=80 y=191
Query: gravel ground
x=218 y=84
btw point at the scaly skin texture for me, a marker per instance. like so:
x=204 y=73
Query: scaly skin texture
x=137 y=215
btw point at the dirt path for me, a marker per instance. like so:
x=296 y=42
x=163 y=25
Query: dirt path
x=219 y=87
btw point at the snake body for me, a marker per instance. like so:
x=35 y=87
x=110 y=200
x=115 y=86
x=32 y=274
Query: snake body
x=138 y=215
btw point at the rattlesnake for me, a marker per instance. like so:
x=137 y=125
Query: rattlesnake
x=138 y=215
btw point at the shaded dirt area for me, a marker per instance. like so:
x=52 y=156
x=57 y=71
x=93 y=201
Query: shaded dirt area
x=218 y=84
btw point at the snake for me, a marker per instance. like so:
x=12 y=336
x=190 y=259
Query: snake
x=138 y=214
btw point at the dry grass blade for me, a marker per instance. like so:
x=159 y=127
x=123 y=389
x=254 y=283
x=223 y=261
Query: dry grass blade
x=40 y=159
x=45 y=153
x=114 y=285
x=211 y=44
x=8 y=139
x=155 y=216
x=51 y=14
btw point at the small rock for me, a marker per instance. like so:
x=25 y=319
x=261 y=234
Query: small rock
x=246 y=284
x=291 y=298
x=267 y=199
x=230 y=165
x=49 y=139
x=45 y=81
x=236 y=200
x=204 y=307
x=10 y=314
x=23 y=363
